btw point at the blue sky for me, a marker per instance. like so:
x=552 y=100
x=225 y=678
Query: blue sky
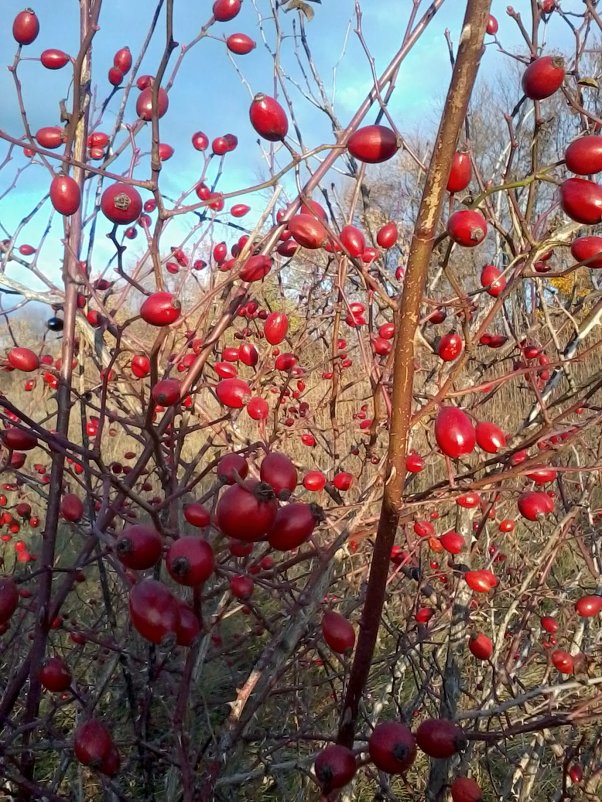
x=208 y=93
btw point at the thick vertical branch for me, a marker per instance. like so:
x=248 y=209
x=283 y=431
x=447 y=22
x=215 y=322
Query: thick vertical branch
x=407 y=316
x=77 y=145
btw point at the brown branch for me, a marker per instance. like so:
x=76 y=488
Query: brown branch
x=80 y=112
x=406 y=323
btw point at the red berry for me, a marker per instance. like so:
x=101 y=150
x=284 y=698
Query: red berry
x=468 y=500
x=160 y=309
x=452 y=542
x=543 y=77
x=153 y=610
x=23 y=359
x=189 y=627
x=562 y=661
x=481 y=646
x=50 y=137
x=197 y=515
x=190 y=560
x=72 y=508
x=387 y=235
x=589 y=606
x=229 y=466
x=258 y=408
x=493 y=280
x=352 y=240
x=123 y=60
x=166 y=392
x=121 y=203
x=450 y=347
x=240 y=210
x=225 y=370
x=65 y=194
x=313 y=209
x=225 y=10
x=581 y=200
x=309 y=232
x=279 y=471
x=490 y=437
x=246 y=512
x=481 y=581
x=373 y=144
x=454 y=432
x=461 y=172
x=139 y=547
x=55 y=675
x=534 y=505
x=542 y=476
x=492 y=25
x=464 y=789
x=414 y=463
x=467 y=228
x=219 y=146
x=92 y=743
x=314 y=480
x=292 y=526
x=242 y=586
x=343 y=480
x=115 y=76
x=144 y=103
x=589 y=250
x=424 y=615
x=338 y=632
x=584 y=155
x=18 y=439
x=440 y=738
x=26 y=27
x=165 y=151
x=335 y=766
x=98 y=139
x=275 y=327
x=550 y=624
x=140 y=365
x=424 y=528
x=233 y=393
x=392 y=747
x=200 y=142
x=268 y=118
x=240 y=43
x=256 y=267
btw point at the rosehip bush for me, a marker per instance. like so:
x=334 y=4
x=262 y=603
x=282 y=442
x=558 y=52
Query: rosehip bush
x=300 y=401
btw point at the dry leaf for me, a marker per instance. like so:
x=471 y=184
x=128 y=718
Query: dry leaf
x=588 y=82
x=301 y=5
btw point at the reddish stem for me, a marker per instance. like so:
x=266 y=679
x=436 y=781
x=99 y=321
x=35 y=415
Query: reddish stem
x=406 y=323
